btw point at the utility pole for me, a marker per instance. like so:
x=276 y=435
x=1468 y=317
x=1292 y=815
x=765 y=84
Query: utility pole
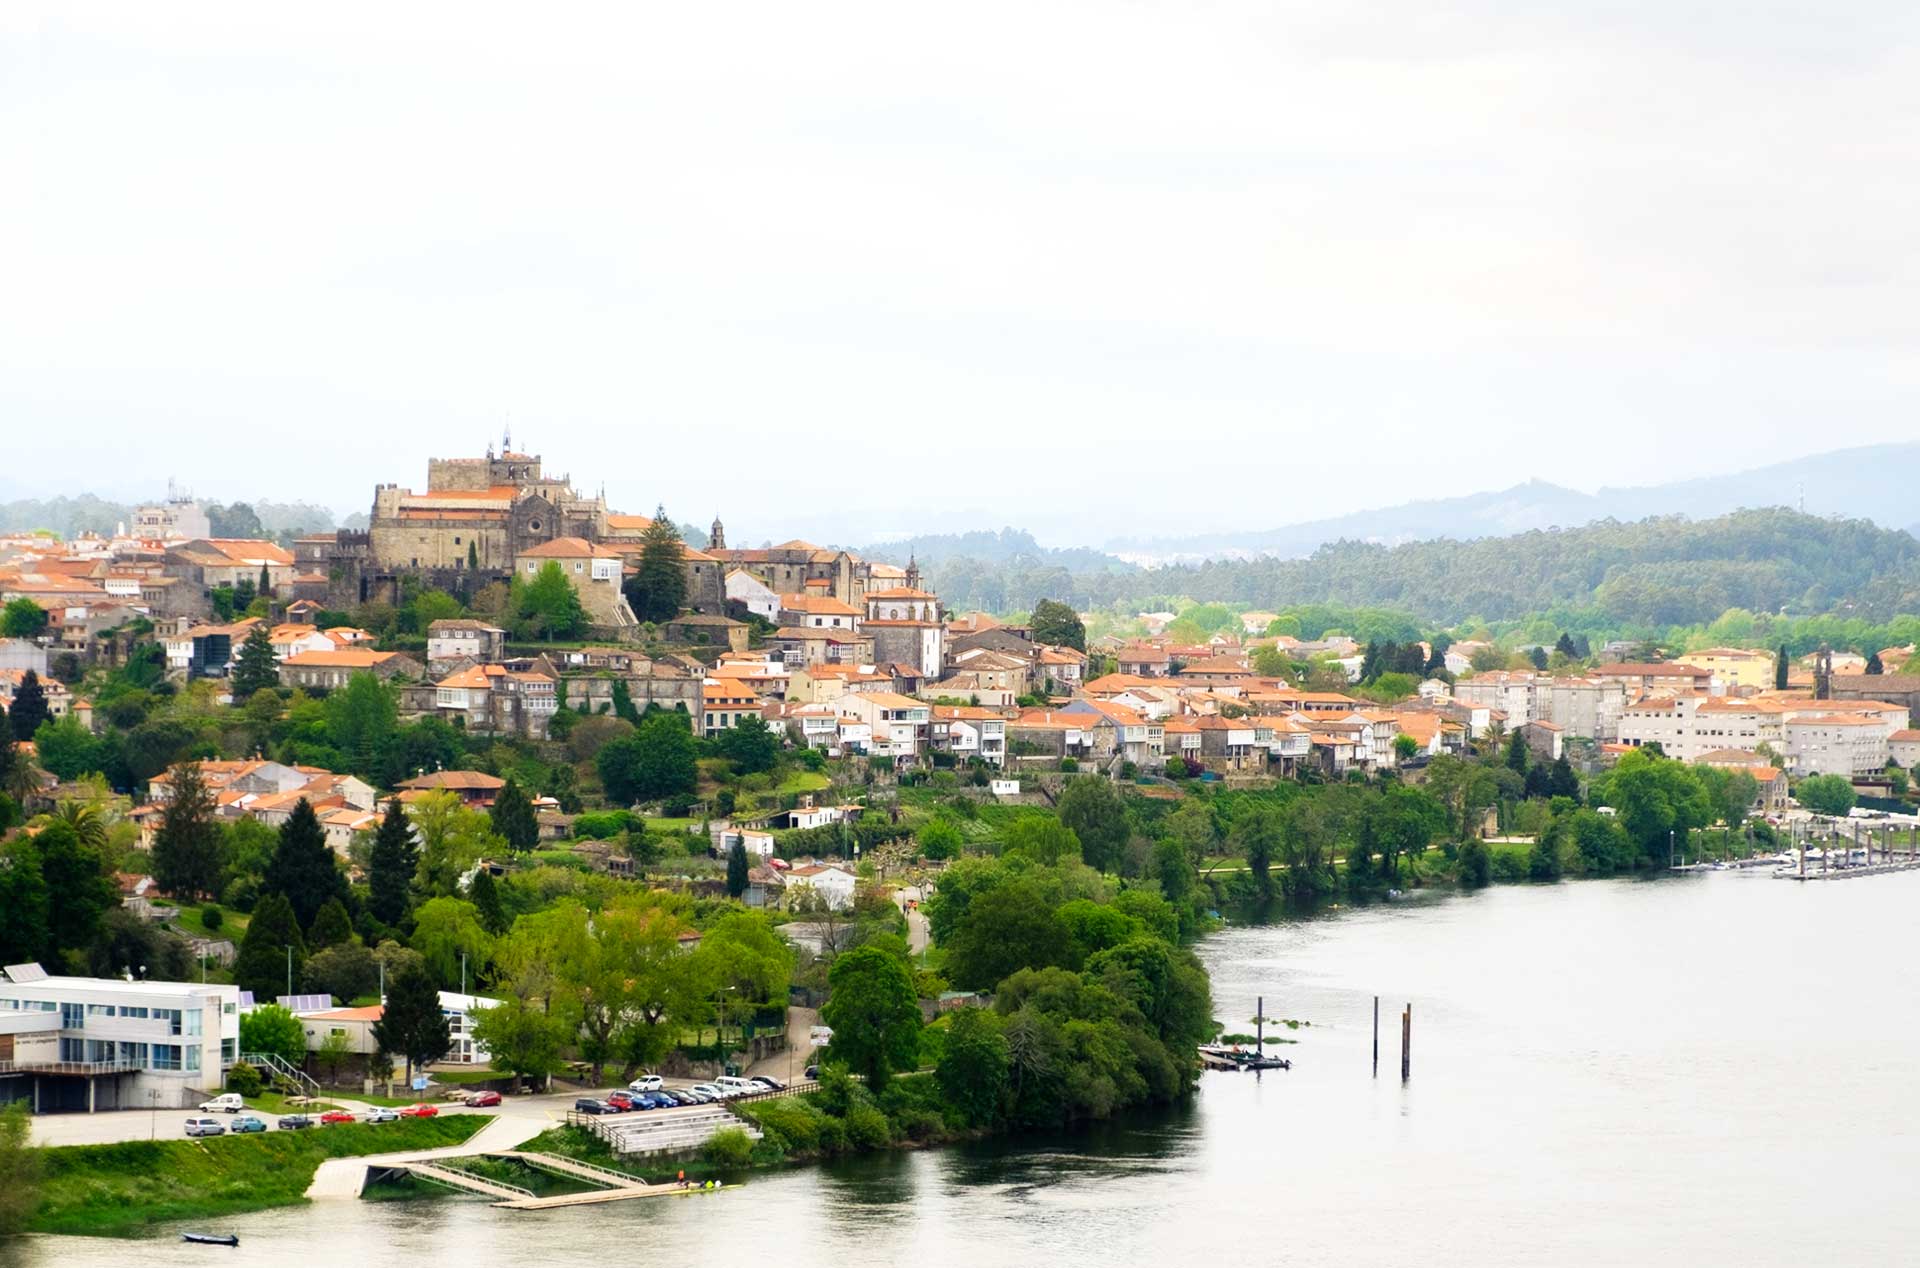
x=289 y=968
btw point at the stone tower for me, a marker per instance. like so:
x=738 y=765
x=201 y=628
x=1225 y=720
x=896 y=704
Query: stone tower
x=1823 y=674
x=913 y=573
x=717 y=535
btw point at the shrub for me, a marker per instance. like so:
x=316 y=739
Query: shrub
x=1176 y=768
x=920 y=1124
x=792 y=1122
x=210 y=917
x=730 y=1148
x=867 y=1128
x=1069 y=764
x=244 y=1079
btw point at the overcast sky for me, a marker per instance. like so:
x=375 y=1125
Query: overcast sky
x=845 y=270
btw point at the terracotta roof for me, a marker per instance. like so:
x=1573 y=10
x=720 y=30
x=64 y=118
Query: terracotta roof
x=455 y=779
x=569 y=548
x=343 y=658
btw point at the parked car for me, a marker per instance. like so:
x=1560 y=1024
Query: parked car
x=656 y=1100
x=481 y=1100
x=335 y=1117
x=623 y=1102
x=589 y=1105
x=646 y=1083
x=381 y=1116
x=225 y=1103
x=294 y=1122
x=701 y=1094
x=679 y=1096
x=733 y=1085
x=811 y=1072
x=709 y=1091
x=422 y=1110
x=205 y=1127
x=247 y=1123
x=768 y=1082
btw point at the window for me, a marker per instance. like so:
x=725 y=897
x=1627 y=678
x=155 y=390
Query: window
x=165 y=1056
x=194 y=1022
x=72 y=1017
x=193 y=1057
x=95 y=1010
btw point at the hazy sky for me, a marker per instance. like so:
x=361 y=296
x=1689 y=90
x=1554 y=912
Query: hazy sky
x=843 y=269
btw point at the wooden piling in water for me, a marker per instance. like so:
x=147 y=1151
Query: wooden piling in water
x=1376 y=1036
x=1406 y=1043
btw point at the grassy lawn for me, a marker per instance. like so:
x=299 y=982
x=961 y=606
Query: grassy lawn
x=664 y=824
x=455 y=1077
x=802 y=781
x=122 y=1190
x=272 y=1105
x=233 y=924
x=584 y=1146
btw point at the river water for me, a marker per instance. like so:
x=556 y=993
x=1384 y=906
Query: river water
x=1713 y=1069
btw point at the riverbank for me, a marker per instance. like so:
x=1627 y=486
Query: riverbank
x=124 y=1189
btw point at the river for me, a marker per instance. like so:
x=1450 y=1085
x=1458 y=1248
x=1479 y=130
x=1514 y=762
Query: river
x=1712 y=1069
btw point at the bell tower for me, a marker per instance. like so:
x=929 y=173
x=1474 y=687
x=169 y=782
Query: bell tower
x=717 y=535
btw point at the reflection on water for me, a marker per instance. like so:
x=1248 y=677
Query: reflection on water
x=1603 y=1073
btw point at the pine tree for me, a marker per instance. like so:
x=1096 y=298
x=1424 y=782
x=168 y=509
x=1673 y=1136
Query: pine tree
x=1873 y=664
x=265 y=584
x=473 y=557
x=302 y=869
x=1565 y=646
x=412 y=1025
x=79 y=889
x=658 y=589
x=736 y=870
x=186 y=850
x=1780 y=669
x=29 y=707
x=485 y=897
x=332 y=927
x=1563 y=782
x=255 y=668
x=261 y=964
x=390 y=867
x=1517 y=753
x=513 y=818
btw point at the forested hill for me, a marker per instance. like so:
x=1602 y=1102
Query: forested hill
x=997 y=572
x=1661 y=571
x=71 y=516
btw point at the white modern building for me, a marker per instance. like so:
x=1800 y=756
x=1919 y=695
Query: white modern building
x=91 y=1043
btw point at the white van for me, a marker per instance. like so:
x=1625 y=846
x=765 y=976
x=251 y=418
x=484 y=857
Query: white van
x=225 y=1103
x=730 y=1085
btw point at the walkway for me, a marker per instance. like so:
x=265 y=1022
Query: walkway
x=346 y=1177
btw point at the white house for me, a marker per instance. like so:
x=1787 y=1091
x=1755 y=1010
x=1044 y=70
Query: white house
x=832 y=882
x=754 y=594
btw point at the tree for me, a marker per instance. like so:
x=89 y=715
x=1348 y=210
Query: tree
x=1562 y=782
x=360 y=719
x=938 y=838
x=1873 y=663
x=974 y=1066
x=1174 y=871
x=272 y=1029
x=548 y=606
x=345 y=971
x=1476 y=863
x=79 y=889
x=1517 y=754
x=335 y=1048
x=750 y=744
x=1257 y=835
x=657 y=760
x=30 y=707
x=24 y=911
x=658 y=588
x=1307 y=833
x=412 y=1025
x=1093 y=808
x=1270 y=662
x=1057 y=623
x=484 y=894
x=20 y=1167
x=736 y=870
x=1564 y=646
x=255 y=669
x=525 y=1042
x=452 y=837
x=1826 y=794
x=23 y=618
x=262 y=964
x=874 y=1014
x=331 y=926
x=390 y=867
x=1004 y=930
x=448 y=935
x=186 y=849
x=513 y=818
x=303 y=869
x=1042 y=838
x=1780 y=669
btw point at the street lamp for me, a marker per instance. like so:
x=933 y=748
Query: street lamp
x=153 y=1108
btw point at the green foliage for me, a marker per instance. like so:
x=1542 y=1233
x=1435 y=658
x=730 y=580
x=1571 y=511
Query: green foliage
x=658 y=589
x=525 y=1041
x=657 y=760
x=255 y=668
x=484 y=894
x=513 y=818
x=272 y=1029
x=303 y=869
x=1057 y=623
x=390 y=867
x=445 y=930
x=244 y=1079
x=80 y=889
x=547 y=607
x=345 y=971
x=1041 y=838
x=973 y=1069
x=261 y=964
x=20 y=1167
x=1008 y=928
x=1096 y=813
x=874 y=1014
x=1825 y=794
x=23 y=618
x=750 y=744
x=729 y=1149
x=938 y=838
x=412 y=1025
x=1475 y=863
x=360 y=721
x=736 y=870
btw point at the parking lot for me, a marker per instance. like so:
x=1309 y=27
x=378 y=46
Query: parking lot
x=112 y=1126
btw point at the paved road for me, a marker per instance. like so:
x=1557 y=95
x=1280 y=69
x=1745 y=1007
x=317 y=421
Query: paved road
x=917 y=927
x=113 y=1126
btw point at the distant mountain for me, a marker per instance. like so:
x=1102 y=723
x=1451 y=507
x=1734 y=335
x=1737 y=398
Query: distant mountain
x=1874 y=482
x=934 y=549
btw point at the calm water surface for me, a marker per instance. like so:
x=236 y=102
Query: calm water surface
x=1717 y=1069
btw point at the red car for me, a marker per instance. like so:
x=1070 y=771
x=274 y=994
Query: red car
x=481 y=1100
x=336 y=1116
x=420 y=1111
x=620 y=1101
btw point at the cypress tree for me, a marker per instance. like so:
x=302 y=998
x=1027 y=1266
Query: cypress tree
x=391 y=866
x=29 y=707
x=513 y=818
x=261 y=965
x=659 y=585
x=1780 y=669
x=331 y=928
x=485 y=897
x=186 y=850
x=302 y=868
x=411 y=1024
x=255 y=668
x=736 y=870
